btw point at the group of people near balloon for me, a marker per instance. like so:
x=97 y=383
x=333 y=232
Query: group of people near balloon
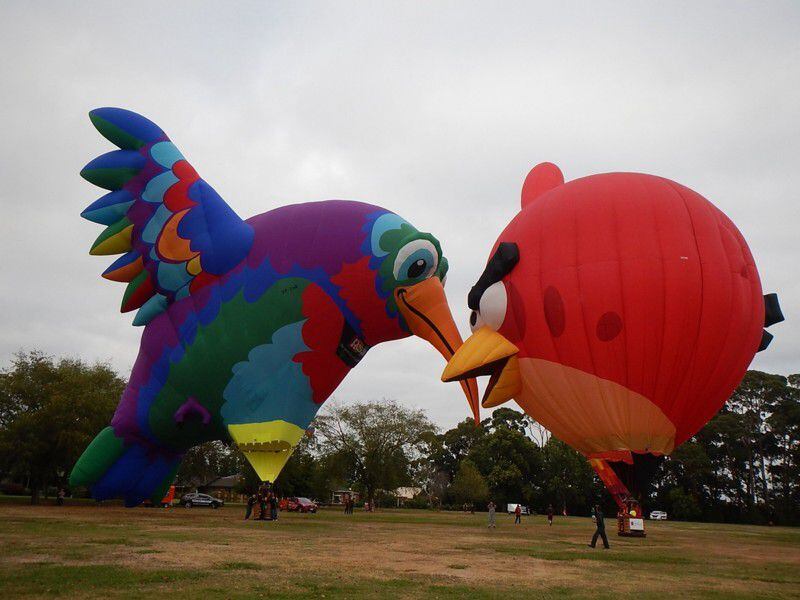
x=264 y=498
x=618 y=310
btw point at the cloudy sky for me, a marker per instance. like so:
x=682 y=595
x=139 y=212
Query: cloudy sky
x=435 y=110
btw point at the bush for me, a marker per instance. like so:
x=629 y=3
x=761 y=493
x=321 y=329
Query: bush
x=13 y=489
x=385 y=499
x=469 y=486
x=419 y=502
x=684 y=506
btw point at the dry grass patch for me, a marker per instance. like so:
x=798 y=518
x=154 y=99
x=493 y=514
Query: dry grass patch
x=85 y=551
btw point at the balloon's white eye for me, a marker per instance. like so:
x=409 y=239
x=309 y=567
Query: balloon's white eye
x=417 y=260
x=493 y=304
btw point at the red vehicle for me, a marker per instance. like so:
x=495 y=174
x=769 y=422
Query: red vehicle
x=294 y=504
x=166 y=501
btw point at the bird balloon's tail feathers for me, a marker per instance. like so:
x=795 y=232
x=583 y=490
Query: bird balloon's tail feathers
x=110 y=468
x=175 y=233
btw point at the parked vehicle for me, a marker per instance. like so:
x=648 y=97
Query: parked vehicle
x=658 y=515
x=513 y=507
x=298 y=504
x=197 y=499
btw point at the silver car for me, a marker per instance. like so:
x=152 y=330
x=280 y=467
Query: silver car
x=197 y=499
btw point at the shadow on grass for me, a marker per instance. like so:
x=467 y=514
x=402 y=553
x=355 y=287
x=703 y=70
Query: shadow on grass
x=597 y=554
x=239 y=566
x=119 y=541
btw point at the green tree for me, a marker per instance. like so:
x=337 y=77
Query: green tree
x=509 y=419
x=455 y=444
x=374 y=445
x=567 y=480
x=208 y=461
x=683 y=506
x=49 y=412
x=469 y=486
x=441 y=455
x=508 y=459
x=307 y=473
x=784 y=422
x=743 y=465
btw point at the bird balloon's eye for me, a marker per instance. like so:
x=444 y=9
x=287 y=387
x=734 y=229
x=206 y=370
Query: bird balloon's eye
x=417 y=268
x=418 y=259
x=475 y=321
x=493 y=304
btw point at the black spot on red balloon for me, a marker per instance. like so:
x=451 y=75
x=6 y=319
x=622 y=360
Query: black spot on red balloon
x=554 y=311
x=609 y=326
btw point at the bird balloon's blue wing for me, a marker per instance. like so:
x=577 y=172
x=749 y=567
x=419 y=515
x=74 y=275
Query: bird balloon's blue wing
x=175 y=233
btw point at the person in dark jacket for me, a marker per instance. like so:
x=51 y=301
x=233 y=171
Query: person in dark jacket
x=273 y=506
x=600 y=527
x=251 y=501
x=263 y=492
x=550 y=512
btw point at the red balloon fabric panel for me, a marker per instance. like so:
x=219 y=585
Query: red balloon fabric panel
x=642 y=308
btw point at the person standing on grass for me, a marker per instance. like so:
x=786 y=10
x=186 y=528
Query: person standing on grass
x=251 y=500
x=491 y=508
x=518 y=515
x=60 y=497
x=262 y=503
x=273 y=506
x=600 y=528
x=550 y=512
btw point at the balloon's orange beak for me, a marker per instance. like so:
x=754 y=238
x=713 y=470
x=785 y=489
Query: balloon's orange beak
x=486 y=352
x=427 y=314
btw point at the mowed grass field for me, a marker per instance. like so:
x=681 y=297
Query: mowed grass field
x=89 y=552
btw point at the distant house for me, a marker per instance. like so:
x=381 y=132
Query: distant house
x=406 y=493
x=223 y=488
x=339 y=496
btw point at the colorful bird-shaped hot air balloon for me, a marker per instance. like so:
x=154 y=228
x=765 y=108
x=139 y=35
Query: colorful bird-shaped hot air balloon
x=619 y=310
x=249 y=325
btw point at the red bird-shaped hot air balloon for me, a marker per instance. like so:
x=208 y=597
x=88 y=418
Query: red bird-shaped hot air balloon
x=619 y=310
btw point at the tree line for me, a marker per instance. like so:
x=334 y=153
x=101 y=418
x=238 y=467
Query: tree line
x=743 y=466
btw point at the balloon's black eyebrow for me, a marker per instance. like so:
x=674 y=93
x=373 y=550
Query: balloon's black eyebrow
x=502 y=262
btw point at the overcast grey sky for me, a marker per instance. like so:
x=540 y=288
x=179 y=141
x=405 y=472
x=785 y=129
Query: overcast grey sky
x=435 y=110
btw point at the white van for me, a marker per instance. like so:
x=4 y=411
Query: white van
x=513 y=507
x=658 y=515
